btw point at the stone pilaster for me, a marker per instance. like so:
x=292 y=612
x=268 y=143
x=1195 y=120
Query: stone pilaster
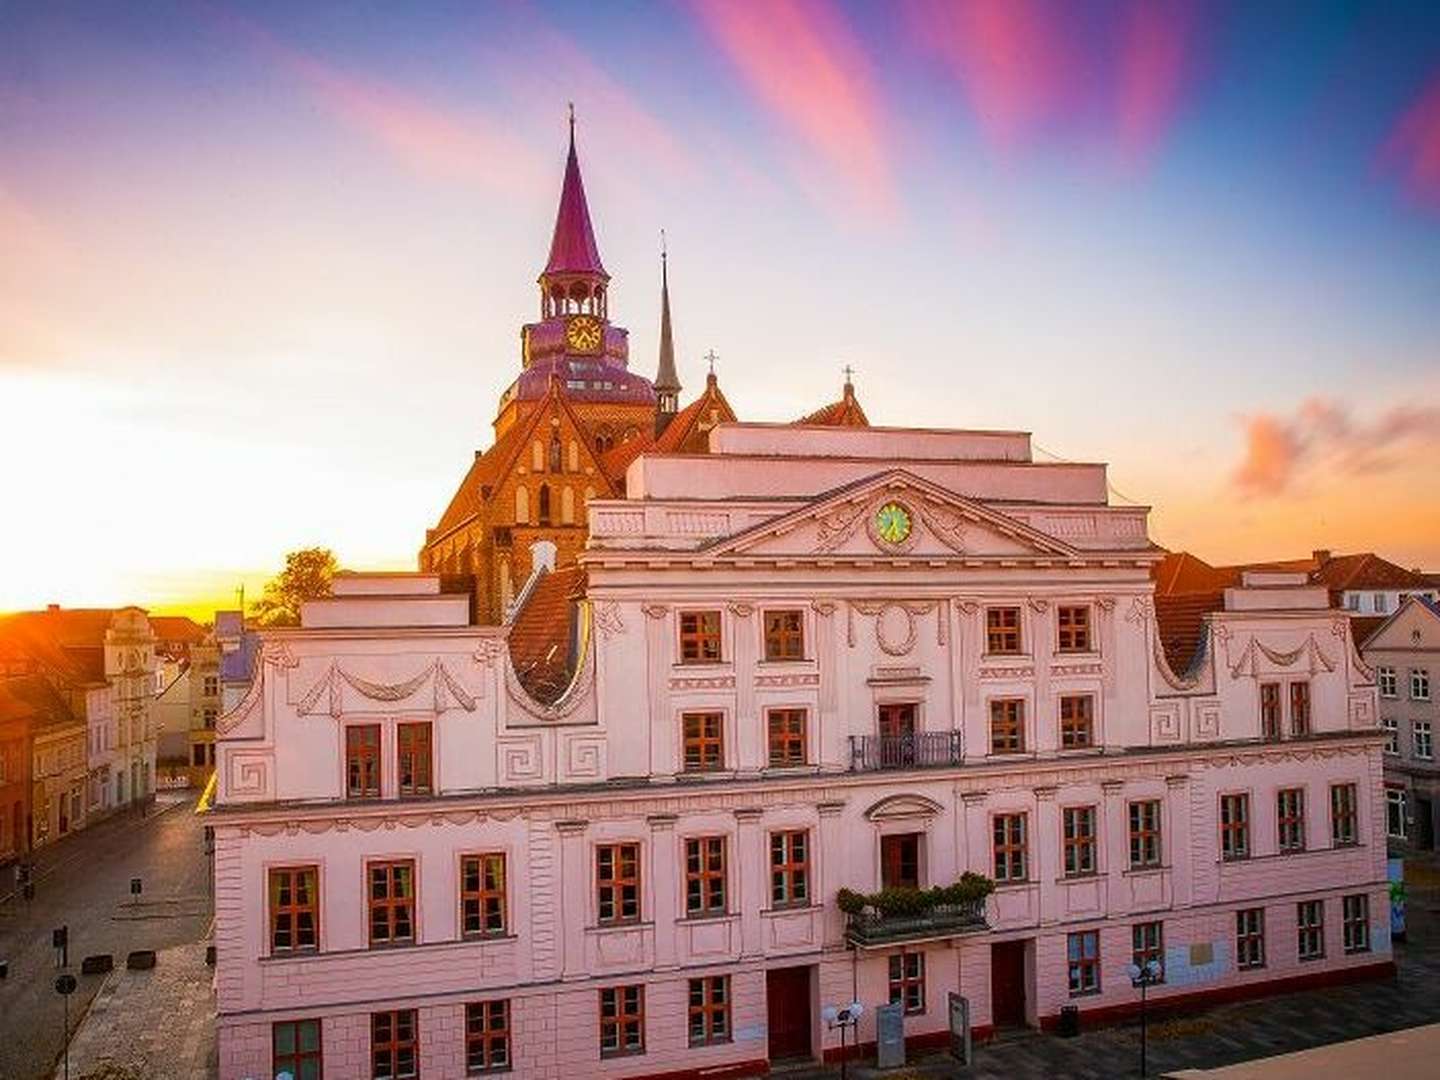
x=1045 y=830
x=1175 y=849
x=663 y=888
x=570 y=885
x=751 y=875
x=1115 y=830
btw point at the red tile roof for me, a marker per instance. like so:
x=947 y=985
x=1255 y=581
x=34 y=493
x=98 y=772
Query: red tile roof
x=178 y=629
x=542 y=633
x=843 y=413
x=68 y=642
x=32 y=697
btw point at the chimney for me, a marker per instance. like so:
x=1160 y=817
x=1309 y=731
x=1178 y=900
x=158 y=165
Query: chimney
x=1321 y=556
x=52 y=607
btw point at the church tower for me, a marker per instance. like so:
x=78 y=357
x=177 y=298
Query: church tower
x=667 y=382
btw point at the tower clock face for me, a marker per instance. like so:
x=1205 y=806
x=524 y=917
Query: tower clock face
x=583 y=333
x=892 y=523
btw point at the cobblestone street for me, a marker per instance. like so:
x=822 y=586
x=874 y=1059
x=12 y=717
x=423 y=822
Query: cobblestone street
x=84 y=882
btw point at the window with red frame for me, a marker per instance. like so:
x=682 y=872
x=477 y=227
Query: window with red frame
x=394 y=1045
x=1299 y=708
x=1355 y=923
x=784 y=635
x=705 y=876
x=622 y=1021
x=362 y=761
x=709 y=1010
x=295 y=1049
x=1078 y=828
x=704 y=741
x=1077 y=721
x=1344 y=820
x=392 y=903
x=787 y=736
x=412 y=742
x=482 y=895
x=1234 y=826
x=1270 y=711
x=1073 y=628
x=1144 y=834
x=900 y=861
x=294 y=909
x=700 y=637
x=907 y=981
x=1002 y=631
x=1007 y=726
x=1147 y=943
x=617 y=882
x=1250 y=938
x=1082 y=950
x=1290 y=817
x=1012 y=856
x=1310 y=929
x=487 y=1036
x=790 y=868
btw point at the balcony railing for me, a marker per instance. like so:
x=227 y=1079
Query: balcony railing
x=921 y=750
x=870 y=928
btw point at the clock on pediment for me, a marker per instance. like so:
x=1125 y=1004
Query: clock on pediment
x=892 y=525
x=584 y=334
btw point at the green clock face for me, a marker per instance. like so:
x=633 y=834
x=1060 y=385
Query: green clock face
x=892 y=523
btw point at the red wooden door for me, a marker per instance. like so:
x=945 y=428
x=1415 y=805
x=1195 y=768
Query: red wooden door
x=787 y=1003
x=900 y=860
x=1007 y=983
x=897 y=720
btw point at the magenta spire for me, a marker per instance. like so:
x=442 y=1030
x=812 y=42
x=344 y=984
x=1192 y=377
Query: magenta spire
x=572 y=248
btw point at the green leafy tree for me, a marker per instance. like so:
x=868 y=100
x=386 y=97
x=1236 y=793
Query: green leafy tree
x=306 y=576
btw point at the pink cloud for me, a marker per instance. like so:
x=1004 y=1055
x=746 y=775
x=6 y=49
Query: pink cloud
x=804 y=63
x=1281 y=451
x=1154 y=49
x=1413 y=147
x=434 y=141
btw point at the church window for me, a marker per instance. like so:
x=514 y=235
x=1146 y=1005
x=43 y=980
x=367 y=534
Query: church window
x=567 y=506
x=544 y=507
x=537 y=456
x=556 y=464
x=522 y=505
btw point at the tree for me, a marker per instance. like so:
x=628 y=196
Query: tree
x=306 y=576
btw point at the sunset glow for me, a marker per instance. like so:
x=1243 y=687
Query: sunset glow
x=241 y=244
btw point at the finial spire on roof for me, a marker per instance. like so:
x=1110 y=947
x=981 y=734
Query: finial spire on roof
x=667 y=381
x=572 y=247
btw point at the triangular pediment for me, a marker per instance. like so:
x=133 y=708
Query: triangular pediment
x=894 y=514
x=1414 y=625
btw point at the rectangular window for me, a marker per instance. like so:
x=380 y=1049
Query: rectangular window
x=1002 y=631
x=1385 y=677
x=787 y=736
x=1077 y=721
x=907 y=981
x=1144 y=834
x=1290 y=819
x=700 y=637
x=1078 y=823
x=1355 y=924
x=1073 y=629
x=1011 y=853
x=295 y=1049
x=1344 y=811
x=1382 y=603
x=394 y=1045
x=482 y=895
x=1419 y=684
x=412 y=742
x=1391 y=727
x=294 y=909
x=1234 y=826
x=705 y=876
x=197 y=754
x=1420 y=740
x=1395 y=812
x=789 y=869
x=617 y=881
x=1147 y=943
x=1007 y=726
x=362 y=761
x=1082 y=950
x=900 y=861
x=622 y=1021
x=709 y=1010
x=211 y=686
x=392 y=903
x=1299 y=708
x=1270 y=710
x=487 y=1036
x=704 y=741
x=1250 y=938
x=784 y=635
x=1310 y=929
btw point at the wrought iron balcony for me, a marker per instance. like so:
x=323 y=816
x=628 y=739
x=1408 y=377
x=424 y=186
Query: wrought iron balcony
x=870 y=928
x=924 y=749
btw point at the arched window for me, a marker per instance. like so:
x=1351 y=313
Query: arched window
x=544 y=514
x=522 y=505
x=567 y=506
x=589 y=494
x=537 y=456
x=556 y=464
x=574 y=456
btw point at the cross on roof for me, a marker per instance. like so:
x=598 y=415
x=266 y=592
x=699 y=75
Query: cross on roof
x=849 y=371
x=710 y=359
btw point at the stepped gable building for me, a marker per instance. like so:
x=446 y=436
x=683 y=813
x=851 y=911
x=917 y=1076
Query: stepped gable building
x=812 y=669
x=569 y=426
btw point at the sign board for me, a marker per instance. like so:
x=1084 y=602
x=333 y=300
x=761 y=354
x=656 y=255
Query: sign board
x=959 y=1028
x=890 y=1035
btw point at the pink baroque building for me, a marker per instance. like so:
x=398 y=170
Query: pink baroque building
x=810 y=660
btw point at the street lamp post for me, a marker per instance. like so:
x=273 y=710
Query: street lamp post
x=1144 y=977
x=843 y=1018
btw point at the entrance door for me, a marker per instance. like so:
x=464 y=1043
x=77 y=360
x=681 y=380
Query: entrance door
x=787 y=1000
x=897 y=735
x=1007 y=983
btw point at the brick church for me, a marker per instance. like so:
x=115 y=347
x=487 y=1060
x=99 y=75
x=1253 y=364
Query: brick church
x=569 y=426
